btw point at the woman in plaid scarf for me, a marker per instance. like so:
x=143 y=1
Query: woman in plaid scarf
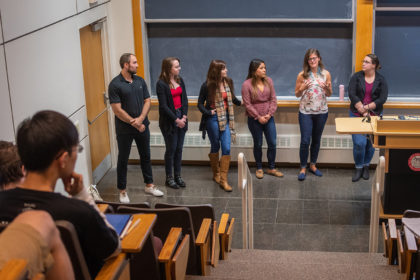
x=215 y=102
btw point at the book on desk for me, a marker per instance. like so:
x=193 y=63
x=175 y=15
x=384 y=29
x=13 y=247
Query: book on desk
x=120 y=222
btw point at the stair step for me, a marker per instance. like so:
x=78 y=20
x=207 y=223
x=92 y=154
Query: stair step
x=267 y=264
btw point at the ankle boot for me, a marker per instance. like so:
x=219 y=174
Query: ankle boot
x=357 y=174
x=365 y=174
x=224 y=168
x=170 y=182
x=214 y=162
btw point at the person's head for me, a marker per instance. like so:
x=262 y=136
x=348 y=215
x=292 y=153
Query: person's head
x=371 y=63
x=257 y=69
x=128 y=63
x=45 y=138
x=312 y=61
x=256 y=72
x=170 y=68
x=217 y=74
x=11 y=170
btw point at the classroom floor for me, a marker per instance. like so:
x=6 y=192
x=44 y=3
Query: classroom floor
x=328 y=213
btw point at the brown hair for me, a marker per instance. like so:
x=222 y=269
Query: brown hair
x=214 y=77
x=375 y=60
x=165 y=73
x=253 y=66
x=306 y=67
x=125 y=58
x=10 y=164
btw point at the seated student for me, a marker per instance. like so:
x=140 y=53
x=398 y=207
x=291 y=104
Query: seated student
x=48 y=146
x=11 y=170
x=33 y=237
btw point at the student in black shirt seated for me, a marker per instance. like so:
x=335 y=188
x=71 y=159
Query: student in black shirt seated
x=48 y=144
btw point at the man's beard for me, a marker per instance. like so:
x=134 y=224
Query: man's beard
x=132 y=72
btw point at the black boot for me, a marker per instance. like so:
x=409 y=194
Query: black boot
x=179 y=181
x=365 y=174
x=357 y=174
x=170 y=182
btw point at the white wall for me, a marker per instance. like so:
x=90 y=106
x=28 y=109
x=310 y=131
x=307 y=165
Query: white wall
x=41 y=61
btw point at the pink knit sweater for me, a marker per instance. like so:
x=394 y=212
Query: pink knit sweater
x=265 y=103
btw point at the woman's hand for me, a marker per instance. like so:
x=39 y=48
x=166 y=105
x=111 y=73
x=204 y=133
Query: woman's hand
x=262 y=120
x=180 y=123
x=305 y=85
x=325 y=86
x=213 y=112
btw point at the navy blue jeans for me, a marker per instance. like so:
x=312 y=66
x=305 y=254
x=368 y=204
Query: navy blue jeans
x=124 y=141
x=174 y=143
x=269 y=130
x=218 y=138
x=311 y=128
x=363 y=150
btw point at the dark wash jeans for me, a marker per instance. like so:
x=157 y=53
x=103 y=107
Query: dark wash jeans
x=269 y=130
x=311 y=126
x=218 y=138
x=124 y=141
x=174 y=143
x=363 y=150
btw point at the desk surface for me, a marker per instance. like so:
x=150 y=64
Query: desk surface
x=413 y=224
x=354 y=126
x=134 y=241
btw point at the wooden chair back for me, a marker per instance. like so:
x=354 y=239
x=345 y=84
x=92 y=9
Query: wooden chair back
x=198 y=213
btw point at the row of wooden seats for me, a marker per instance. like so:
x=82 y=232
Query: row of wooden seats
x=208 y=241
x=401 y=246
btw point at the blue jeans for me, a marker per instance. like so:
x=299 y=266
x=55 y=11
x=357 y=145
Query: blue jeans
x=174 y=143
x=124 y=141
x=269 y=130
x=362 y=148
x=311 y=126
x=218 y=138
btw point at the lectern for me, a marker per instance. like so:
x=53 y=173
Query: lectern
x=399 y=137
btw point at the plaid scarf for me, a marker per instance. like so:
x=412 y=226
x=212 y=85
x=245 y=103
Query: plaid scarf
x=221 y=112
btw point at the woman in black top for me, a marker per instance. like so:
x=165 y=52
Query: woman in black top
x=215 y=102
x=368 y=92
x=173 y=109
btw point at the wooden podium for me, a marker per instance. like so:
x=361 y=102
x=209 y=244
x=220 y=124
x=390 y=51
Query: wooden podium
x=399 y=137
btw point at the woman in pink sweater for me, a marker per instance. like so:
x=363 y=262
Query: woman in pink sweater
x=260 y=102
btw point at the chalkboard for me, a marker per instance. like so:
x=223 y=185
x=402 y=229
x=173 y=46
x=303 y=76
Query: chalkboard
x=281 y=45
x=170 y=9
x=397 y=41
x=398 y=3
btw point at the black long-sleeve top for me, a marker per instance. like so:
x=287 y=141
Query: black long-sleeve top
x=167 y=114
x=357 y=88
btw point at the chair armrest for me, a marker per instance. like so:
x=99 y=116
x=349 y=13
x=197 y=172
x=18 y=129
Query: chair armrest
x=385 y=239
x=180 y=259
x=229 y=235
x=392 y=229
x=14 y=269
x=401 y=252
x=169 y=247
x=203 y=233
x=215 y=246
x=113 y=268
x=410 y=240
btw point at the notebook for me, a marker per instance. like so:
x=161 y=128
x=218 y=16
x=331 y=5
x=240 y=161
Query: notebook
x=121 y=222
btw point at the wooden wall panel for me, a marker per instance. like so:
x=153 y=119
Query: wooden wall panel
x=364 y=29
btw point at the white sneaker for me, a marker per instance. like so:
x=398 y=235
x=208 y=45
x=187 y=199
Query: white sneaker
x=94 y=193
x=124 y=197
x=153 y=190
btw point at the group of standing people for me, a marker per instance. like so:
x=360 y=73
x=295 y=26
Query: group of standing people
x=130 y=101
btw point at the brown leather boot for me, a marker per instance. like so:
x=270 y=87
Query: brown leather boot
x=224 y=168
x=214 y=162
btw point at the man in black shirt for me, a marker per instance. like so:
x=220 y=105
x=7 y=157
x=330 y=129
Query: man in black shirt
x=48 y=146
x=130 y=102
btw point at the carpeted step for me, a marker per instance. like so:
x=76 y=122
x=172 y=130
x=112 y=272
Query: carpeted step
x=265 y=264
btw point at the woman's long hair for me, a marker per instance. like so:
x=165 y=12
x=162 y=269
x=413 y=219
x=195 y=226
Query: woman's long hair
x=165 y=74
x=306 y=67
x=214 y=78
x=253 y=66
